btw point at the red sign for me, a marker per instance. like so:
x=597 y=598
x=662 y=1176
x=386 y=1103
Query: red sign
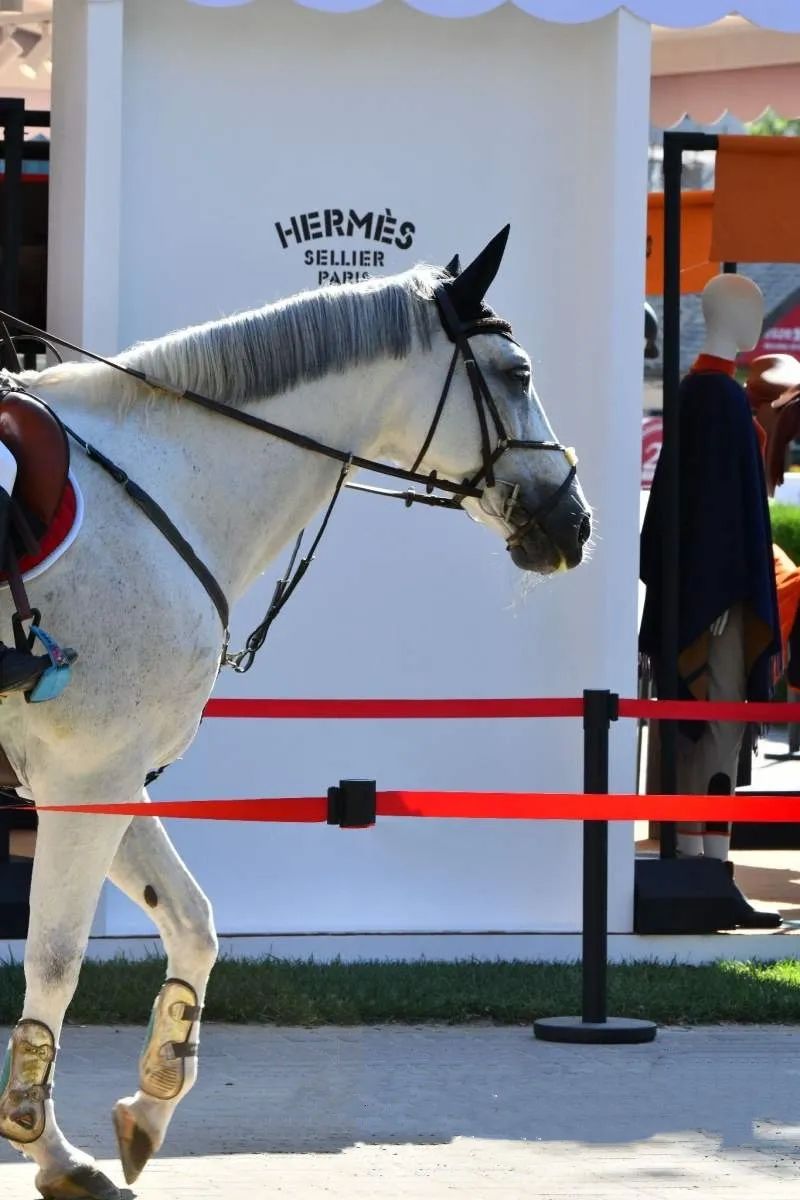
x=782 y=337
x=652 y=437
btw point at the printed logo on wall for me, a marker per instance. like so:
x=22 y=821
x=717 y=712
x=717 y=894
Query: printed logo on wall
x=345 y=258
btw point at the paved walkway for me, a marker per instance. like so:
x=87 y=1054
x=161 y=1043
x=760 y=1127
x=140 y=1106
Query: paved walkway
x=443 y=1112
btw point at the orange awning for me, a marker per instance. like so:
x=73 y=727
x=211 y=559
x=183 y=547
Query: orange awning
x=696 y=265
x=757 y=184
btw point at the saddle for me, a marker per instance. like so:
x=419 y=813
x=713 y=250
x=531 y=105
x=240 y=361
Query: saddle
x=773 y=388
x=36 y=438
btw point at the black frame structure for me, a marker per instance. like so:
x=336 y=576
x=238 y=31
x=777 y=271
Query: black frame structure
x=675 y=144
x=15 y=119
x=749 y=835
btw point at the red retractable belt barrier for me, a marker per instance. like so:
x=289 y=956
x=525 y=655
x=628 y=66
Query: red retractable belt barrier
x=768 y=713
x=508 y=806
x=396 y=709
x=492 y=709
x=505 y=806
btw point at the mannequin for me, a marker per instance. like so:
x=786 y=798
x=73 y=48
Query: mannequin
x=728 y=624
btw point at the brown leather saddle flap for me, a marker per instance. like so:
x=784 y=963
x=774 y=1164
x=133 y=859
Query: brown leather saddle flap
x=36 y=438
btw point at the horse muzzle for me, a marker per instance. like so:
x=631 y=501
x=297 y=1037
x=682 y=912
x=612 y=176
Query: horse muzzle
x=553 y=541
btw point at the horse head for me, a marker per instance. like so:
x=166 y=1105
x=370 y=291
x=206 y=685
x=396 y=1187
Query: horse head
x=491 y=430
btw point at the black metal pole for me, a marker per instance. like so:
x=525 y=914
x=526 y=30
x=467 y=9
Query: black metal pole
x=600 y=708
x=670 y=467
x=674 y=146
x=12 y=114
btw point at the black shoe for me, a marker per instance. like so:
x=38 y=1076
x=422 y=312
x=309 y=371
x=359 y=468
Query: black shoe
x=747 y=917
x=20 y=670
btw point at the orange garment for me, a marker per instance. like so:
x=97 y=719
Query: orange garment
x=710 y=362
x=787 y=582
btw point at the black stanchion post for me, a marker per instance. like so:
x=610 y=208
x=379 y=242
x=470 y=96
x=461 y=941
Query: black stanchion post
x=670 y=468
x=675 y=143
x=600 y=708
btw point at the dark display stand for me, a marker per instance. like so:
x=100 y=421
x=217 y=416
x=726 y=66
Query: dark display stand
x=673 y=880
x=24 y=196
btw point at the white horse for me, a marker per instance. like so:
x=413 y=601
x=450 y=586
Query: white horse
x=360 y=368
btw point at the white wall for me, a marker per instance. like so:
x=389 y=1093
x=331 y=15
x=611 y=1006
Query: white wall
x=236 y=119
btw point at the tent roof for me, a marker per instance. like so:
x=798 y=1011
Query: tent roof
x=732 y=66
x=773 y=14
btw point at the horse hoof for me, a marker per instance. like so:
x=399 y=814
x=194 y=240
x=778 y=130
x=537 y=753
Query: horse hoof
x=84 y=1183
x=136 y=1146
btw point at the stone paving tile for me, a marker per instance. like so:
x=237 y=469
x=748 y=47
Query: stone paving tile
x=437 y=1112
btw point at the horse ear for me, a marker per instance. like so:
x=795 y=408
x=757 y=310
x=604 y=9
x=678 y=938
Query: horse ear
x=454 y=266
x=469 y=288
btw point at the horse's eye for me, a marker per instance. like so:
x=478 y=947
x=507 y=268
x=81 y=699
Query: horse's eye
x=520 y=375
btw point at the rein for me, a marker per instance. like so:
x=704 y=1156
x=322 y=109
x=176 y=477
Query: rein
x=459 y=333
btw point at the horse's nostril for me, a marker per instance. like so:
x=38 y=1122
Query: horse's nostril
x=584 y=530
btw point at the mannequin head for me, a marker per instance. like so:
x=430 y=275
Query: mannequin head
x=733 y=308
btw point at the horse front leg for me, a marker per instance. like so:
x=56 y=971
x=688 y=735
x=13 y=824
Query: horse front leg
x=149 y=871
x=73 y=854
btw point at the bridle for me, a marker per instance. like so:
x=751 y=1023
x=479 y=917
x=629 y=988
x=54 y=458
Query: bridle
x=459 y=332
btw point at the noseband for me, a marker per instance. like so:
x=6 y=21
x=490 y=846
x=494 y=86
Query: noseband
x=459 y=333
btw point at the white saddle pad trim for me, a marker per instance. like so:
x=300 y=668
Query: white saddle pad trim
x=53 y=557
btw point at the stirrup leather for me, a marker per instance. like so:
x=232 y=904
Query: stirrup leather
x=25 y=1082
x=162 y=1067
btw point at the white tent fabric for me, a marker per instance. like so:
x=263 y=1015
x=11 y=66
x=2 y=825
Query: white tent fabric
x=772 y=14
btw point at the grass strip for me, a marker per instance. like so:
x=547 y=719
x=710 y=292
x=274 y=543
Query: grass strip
x=304 y=993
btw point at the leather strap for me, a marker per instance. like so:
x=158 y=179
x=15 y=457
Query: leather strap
x=155 y=513
x=184 y=1049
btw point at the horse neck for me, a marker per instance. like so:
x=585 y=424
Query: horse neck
x=251 y=493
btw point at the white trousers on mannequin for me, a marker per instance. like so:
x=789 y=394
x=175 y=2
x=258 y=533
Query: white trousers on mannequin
x=716 y=752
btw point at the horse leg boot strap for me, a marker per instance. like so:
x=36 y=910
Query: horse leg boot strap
x=25 y=1082
x=162 y=1067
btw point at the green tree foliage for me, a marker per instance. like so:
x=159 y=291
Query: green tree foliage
x=786 y=529
x=769 y=124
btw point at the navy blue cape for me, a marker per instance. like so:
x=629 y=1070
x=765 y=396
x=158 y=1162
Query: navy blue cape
x=724 y=529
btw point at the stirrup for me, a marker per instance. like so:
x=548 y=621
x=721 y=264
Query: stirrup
x=162 y=1067
x=54 y=679
x=25 y=1082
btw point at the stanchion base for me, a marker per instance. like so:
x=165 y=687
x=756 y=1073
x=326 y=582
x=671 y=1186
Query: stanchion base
x=616 y=1031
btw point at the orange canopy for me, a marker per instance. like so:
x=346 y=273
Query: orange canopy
x=757 y=183
x=696 y=265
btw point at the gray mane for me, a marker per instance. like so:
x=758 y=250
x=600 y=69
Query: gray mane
x=271 y=350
